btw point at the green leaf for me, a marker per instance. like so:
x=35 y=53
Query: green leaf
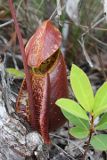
x=99 y=142
x=103 y=123
x=82 y=88
x=79 y=132
x=15 y=73
x=79 y=122
x=72 y=107
x=100 y=103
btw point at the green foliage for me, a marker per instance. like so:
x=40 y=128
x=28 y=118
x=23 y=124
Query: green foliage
x=100 y=104
x=15 y=73
x=82 y=88
x=79 y=122
x=99 y=142
x=72 y=107
x=78 y=132
x=103 y=123
x=77 y=113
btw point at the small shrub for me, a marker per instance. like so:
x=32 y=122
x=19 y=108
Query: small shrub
x=84 y=113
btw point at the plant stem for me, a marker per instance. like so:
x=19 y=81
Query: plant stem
x=90 y=135
x=28 y=76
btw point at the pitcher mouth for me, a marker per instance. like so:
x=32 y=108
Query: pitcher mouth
x=48 y=65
